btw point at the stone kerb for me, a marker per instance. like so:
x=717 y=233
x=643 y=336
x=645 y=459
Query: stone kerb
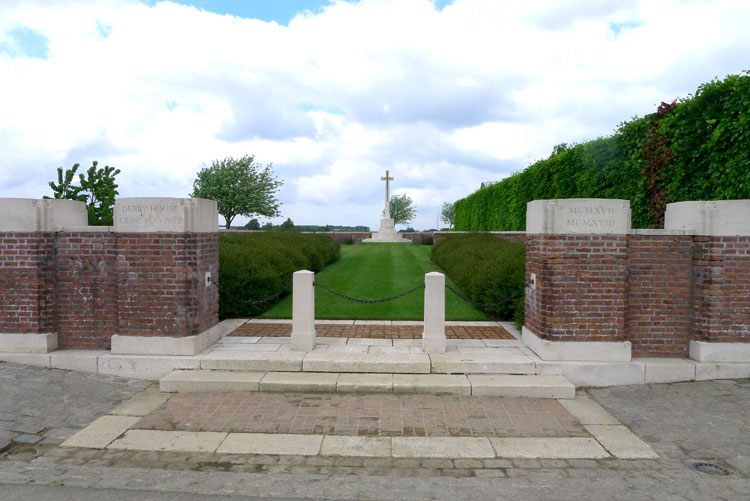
x=577 y=268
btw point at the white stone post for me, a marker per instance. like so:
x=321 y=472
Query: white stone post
x=433 y=336
x=303 y=311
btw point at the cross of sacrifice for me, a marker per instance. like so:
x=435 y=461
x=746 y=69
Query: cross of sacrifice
x=387 y=210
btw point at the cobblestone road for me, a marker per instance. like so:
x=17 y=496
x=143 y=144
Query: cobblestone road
x=683 y=422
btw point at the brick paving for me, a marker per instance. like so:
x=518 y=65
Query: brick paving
x=373 y=331
x=364 y=415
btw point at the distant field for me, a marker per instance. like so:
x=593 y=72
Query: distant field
x=374 y=271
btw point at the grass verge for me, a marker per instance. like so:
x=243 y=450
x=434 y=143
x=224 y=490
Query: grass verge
x=374 y=271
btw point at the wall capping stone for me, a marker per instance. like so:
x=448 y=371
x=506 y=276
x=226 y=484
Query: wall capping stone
x=29 y=214
x=165 y=215
x=578 y=216
x=28 y=343
x=591 y=351
x=704 y=351
x=710 y=218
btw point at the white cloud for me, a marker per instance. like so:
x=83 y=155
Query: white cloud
x=444 y=99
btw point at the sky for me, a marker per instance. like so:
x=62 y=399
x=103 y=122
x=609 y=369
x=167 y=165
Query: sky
x=444 y=94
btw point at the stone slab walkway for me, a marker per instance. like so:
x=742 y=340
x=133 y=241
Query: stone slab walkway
x=373 y=331
x=364 y=415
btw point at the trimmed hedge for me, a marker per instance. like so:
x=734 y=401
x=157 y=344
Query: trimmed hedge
x=254 y=266
x=486 y=269
x=695 y=149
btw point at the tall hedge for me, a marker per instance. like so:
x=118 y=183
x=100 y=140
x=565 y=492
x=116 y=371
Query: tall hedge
x=255 y=266
x=486 y=269
x=697 y=148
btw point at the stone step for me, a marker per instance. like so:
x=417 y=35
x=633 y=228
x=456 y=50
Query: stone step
x=403 y=363
x=470 y=363
x=529 y=386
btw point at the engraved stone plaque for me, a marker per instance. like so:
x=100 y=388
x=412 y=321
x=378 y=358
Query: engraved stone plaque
x=570 y=216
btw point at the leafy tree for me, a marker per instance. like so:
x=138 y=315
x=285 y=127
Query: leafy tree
x=267 y=226
x=253 y=224
x=101 y=190
x=448 y=214
x=240 y=187
x=65 y=189
x=97 y=189
x=403 y=210
x=287 y=225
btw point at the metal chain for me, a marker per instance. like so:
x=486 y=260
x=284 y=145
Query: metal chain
x=369 y=301
x=483 y=305
x=250 y=303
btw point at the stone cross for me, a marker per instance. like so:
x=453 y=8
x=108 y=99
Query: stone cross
x=387 y=210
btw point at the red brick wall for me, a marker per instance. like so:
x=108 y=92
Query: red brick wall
x=581 y=287
x=660 y=293
x=86 y=289
x=87 y=286
x=721 y=303
x=657 y=291
x=25 y=282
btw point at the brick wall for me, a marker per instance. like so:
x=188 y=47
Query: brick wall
x=25 y=282
x=86 y=289
x=660 y=293
x=89 y=285
x=721 y=302
x=657 y=291
x=581 y=286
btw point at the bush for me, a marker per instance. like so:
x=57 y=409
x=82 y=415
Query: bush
x=697 y=148
x=258 y=265
x=486 y=269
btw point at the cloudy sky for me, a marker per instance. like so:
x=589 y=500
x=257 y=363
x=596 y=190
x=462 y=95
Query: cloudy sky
x=446 y=94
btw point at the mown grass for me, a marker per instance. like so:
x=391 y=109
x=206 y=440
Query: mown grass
x=374 y=271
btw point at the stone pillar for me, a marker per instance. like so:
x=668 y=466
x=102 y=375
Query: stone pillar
x=303 y=311
x=576 y=268
x=721 y=276
x=27 y=270
x=433 y=336
x=167 y=248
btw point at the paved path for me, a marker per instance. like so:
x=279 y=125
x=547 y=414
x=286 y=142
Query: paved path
x=374 y=331
x=364 y=415
x=683 y=422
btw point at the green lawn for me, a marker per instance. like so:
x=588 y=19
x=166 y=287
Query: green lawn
x=374 y=271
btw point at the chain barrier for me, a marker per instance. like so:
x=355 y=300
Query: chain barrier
x=369 y=301
x=245 y=301
x=483 y=305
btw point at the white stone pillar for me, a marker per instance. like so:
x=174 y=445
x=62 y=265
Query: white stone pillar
x=303 y=311
x=433 y=336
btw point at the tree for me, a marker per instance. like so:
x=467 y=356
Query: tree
x=268 y=226
x=240 y=187
x=287 y=225
x=403 y=210
x=253 y=224
x=448 y=214
x=97 y=189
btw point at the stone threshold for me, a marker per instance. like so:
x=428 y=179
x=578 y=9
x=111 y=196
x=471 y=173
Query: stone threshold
x=581 y=374
x=529 y=386
x=609 y=439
